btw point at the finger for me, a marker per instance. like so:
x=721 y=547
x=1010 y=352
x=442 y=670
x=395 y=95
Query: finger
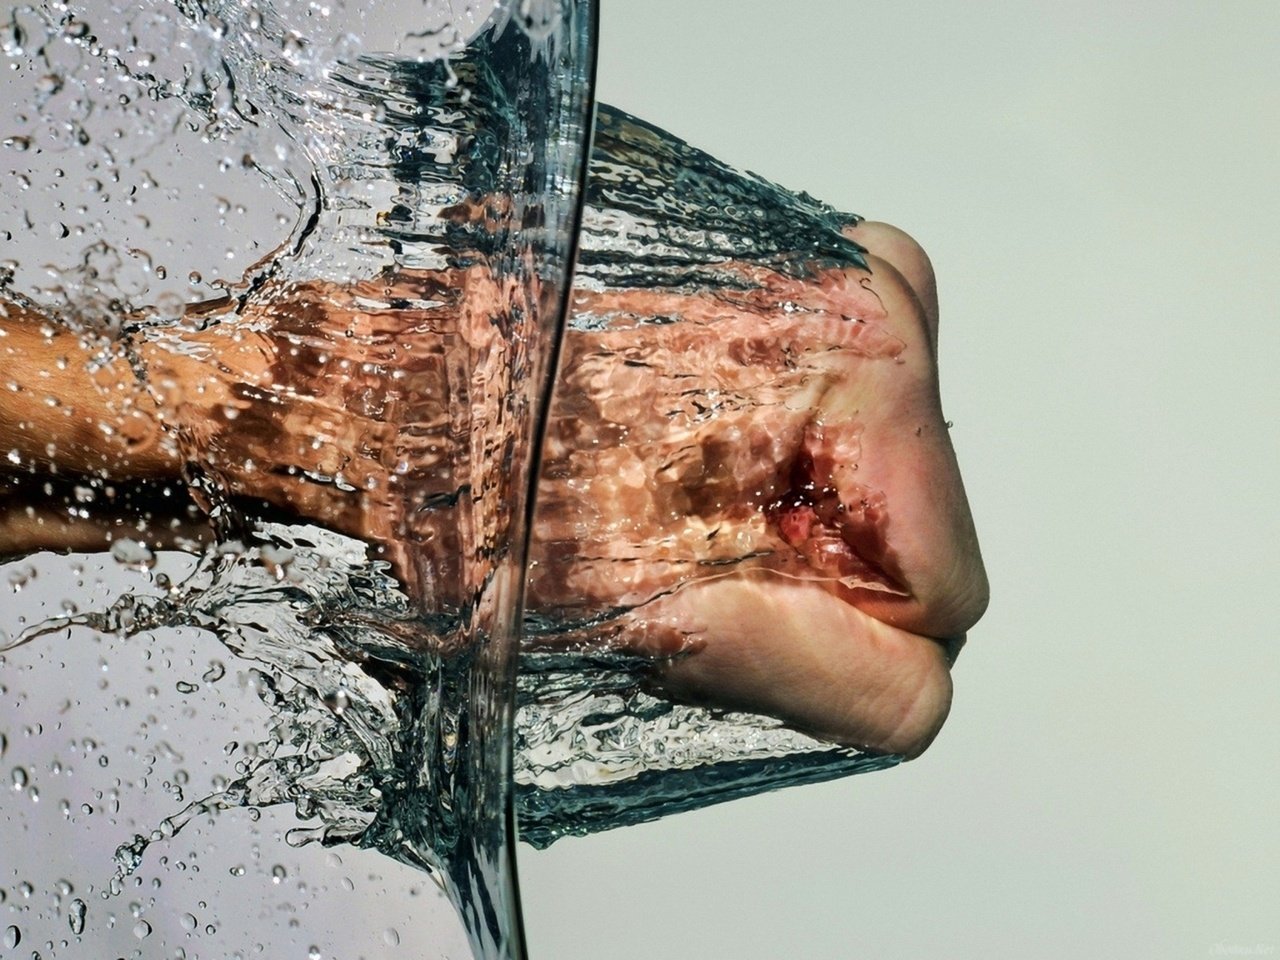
x=901 y=252
x=904 y=451
x=793 y=650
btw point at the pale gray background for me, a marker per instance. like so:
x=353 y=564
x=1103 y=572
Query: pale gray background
x=1097 y=186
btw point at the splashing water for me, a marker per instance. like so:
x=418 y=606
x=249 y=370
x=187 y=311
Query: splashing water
x=354 y=677
x=677 y=483
x=390 y=215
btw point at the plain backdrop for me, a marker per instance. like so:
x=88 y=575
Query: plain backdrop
x=1097 y=186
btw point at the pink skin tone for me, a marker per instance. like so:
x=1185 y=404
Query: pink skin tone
x=858 y=590
x=808 y=550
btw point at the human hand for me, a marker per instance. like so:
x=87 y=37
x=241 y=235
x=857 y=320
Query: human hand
x=769 y=490
x=794 y=537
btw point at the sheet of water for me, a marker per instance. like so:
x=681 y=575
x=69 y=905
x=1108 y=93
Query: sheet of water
x=305 y=726
x=265 y=160
x=670 y=236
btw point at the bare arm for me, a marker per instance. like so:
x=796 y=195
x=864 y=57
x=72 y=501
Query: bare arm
x=861 y=666
x=73 y=407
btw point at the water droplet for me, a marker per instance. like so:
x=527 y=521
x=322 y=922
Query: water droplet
x=237 y=870
x=189 y=922
x=142 y=929
x=18 y=143
x=217 y=670
x=12 y=937
x=131 y=553
x=75 y=916
x=391 y=937
x=19 y=777
x=338 y=701
x=313 y=953
x=278 y=874
x=186 y=686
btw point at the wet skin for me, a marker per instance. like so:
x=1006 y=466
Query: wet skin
x=807 y=547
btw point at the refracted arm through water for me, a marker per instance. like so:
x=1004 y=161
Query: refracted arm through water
x=746 y=463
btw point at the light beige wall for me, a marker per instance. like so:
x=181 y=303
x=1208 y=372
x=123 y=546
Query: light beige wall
x=1097 y=185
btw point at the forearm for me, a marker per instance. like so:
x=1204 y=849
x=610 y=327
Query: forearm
x=68 y=406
